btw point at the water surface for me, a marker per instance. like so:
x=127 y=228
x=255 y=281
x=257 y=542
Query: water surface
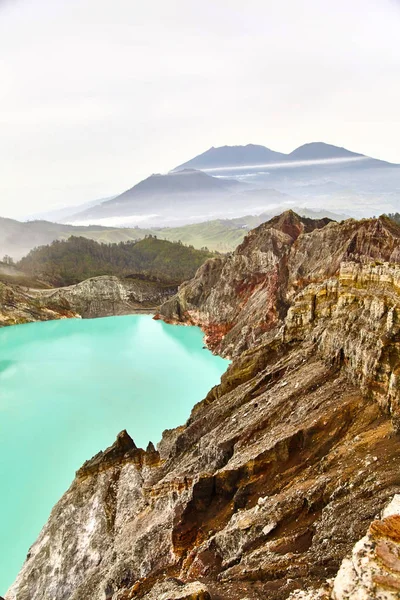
x=66 y=390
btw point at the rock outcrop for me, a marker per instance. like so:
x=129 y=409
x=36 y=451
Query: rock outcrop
x=354 y=319
x=281 y=469
x=17 y=307
x=373 y=568
x=96 y=297
x=240 y=298
x=107 y=295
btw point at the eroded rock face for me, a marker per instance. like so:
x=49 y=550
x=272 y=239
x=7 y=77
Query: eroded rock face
x=17 y=307
x=96 y=297
x=281 y=469
x=239 y=299
x=354 y=319
x=174 y=589
x=236 y=299
x=108 y=295
x=373 y=568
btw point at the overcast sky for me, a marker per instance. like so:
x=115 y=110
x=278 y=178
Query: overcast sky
x=96 y=95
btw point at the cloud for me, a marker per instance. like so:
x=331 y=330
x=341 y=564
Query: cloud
x=292 y=164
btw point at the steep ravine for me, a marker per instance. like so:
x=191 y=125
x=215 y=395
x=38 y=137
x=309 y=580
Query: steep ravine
x=281 y=469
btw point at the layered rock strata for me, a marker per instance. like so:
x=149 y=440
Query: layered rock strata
x=239 y=299
x=18 y=306
x=108 y=295
x=372 y=570
x=281 y=469
x=96 y=297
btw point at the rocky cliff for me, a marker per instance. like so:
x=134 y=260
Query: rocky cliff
x=96 y=297
x=281 y=469
x=18 y=306
x=240 y=298
x=108 y=295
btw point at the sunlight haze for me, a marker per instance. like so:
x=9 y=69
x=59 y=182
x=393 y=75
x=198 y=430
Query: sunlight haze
x=96 y=96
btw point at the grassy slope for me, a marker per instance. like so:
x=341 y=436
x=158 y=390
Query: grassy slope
x=220 y=235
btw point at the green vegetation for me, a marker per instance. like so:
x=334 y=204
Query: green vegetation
x=220 y=235
x=67 y=262
x=18 y=238
x=224 y=235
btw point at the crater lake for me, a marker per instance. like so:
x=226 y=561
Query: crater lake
x=67 y=388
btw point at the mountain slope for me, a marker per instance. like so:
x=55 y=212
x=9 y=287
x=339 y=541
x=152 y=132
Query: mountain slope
x=232 y=156
x=360 y=184
x=101 y=296
x=282 y=467
x=237 y=314
x=321 y=151
x=320 y=174
x=226 y=157
x=164 y=194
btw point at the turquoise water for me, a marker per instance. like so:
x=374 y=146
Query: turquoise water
x=66 y=390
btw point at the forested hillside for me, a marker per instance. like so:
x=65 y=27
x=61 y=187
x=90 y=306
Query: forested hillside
x=71 y=261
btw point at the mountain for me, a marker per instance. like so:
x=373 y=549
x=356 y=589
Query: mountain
x=10 y=274
x=227 y=158
x=160 y=198
x=321 y=151
x=186 y=181
x=325 y=175
x=283 y=483
x=314 y=257
x=18 y=307
x=232 y=156
x=232 y=181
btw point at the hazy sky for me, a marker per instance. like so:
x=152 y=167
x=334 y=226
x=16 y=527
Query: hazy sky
x=96 y=95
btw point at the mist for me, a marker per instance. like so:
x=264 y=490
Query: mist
x=97 y=96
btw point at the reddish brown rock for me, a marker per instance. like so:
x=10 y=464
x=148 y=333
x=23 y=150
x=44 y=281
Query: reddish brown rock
x=245 y=295
x=281 y=469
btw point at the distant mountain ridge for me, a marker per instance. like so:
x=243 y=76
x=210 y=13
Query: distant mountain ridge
x=233 y=156
x=322 y=151
x=253 y=155
x=190 y=194
x=233 y=181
